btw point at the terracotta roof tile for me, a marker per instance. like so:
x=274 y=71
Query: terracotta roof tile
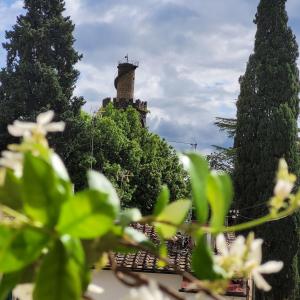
x=180 y=248
x=179 y=253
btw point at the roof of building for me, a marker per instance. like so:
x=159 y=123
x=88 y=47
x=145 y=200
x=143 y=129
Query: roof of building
x=179 y=249
x=179 y=253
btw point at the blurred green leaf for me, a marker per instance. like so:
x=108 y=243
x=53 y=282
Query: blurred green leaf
x=219 y=193
x=7 y=284
x=59 y=277
x=10 y=280
x=202 y=262
x=162 y=200
x=88 y=214
x=175 y=214
x=99 y=182
x=59 y=167
x=139 y=238
x=130 y=215
x=95 y=248
x=76 y=252
x=74 y=249
x=199 y=171
x=163 y=253
x=10 y=191
x=19 y=247
x=44 y=191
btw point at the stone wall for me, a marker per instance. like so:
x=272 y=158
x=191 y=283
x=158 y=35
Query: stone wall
x=124 y=82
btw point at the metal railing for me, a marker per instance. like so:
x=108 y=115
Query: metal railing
x=129 y=61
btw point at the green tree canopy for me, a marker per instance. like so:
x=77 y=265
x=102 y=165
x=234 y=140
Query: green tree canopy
x=137 y=161
x=267 y=112
x=40 y=73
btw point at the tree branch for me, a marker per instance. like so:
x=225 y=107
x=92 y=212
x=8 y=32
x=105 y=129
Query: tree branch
x=184 y=274
x=139 y=279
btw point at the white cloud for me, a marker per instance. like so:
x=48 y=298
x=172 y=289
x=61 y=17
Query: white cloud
x=191 y=56
x=9 y=12
x=190 y=64
x=74 y=7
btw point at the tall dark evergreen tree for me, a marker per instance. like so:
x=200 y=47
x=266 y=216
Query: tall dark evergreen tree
x=268 y=108
x=40 y=73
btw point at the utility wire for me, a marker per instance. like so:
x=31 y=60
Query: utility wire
x=194 y=145
x=254 y=206
x=244 y=217
x=92 y=137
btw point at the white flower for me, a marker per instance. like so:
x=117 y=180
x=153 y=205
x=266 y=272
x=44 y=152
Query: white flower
x=244 y=258
x=41 y=127
x=23 y=291
x=285 y=180
x=95 y=289
x=267 y=268
x=230 y=259
x=13 y=161
x=256 y=269
x=150 y=292
x=283 y=188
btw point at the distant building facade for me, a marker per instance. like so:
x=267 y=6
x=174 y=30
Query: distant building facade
x=179 y=253
x=124 y=84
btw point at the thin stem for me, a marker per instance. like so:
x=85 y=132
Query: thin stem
x=191 y=228
x=14 y=214
x=184 y=274
x=240 y=227
x=253 y=223
x=21 y=221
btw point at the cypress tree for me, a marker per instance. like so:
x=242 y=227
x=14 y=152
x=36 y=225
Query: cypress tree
x=40 y=73
x=267 y=112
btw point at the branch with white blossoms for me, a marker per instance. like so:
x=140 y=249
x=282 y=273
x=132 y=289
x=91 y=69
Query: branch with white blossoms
x=12 y=160
x=36 y=132
x=243 y=259
x=139 y=280
x=283 y=188
x=240 y=260
x=283 y=203
x=33 y=134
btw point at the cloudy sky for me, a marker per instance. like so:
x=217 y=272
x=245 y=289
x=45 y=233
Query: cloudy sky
x=191 y=54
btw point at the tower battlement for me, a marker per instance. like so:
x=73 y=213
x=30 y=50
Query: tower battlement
x=124 y=84
x=125 y=103
x=140 y=106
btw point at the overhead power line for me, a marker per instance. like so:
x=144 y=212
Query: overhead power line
x=193 y=145
x=254 y=206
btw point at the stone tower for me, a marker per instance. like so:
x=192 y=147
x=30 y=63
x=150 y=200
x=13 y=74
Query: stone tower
x=124 y=84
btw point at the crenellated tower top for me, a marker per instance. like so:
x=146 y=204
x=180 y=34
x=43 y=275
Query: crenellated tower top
x=124 y=84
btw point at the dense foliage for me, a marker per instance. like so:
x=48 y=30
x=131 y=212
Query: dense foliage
x=40 y=73
x=267 y=112
x=50 y=237
x=223 y=157
x=136 y=161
